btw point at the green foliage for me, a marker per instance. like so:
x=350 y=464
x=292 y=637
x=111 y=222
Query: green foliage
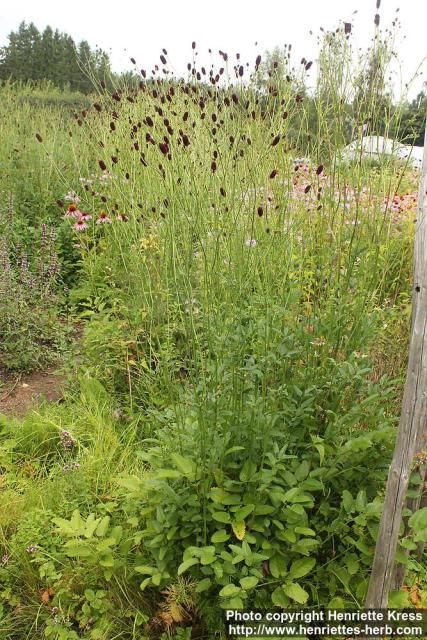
x=31 y=333
x=244 y=316
x=51 y=55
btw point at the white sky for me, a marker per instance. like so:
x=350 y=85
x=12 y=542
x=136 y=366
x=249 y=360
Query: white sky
x=141 y=29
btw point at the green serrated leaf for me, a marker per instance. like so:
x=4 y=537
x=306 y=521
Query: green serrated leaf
x=220 y=536
x=102 y=527
x=243 y=512
x=185 y=465
x=277 y=565
x=229 y=590
x=221 y=516
x=187 y=564
x=279 y=598
x=248 y=471
x=203 y=585
x=301 y=567
x=296 y=592
x=249 y=582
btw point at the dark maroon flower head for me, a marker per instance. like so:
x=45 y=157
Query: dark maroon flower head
x=163 y=59
x=97 y=106
x=273 y=174
x=308 y=65
x=133 y=60
x=377 y=19
x=257 y=61
x=275 y=141
x=347 y=27
x=102 y=165
x=164 y=148
x=260 y=211
x=213 y=166
x=185 y=140
x=319 y=169
x=307 y=189
x=222 y=192
x=193 y=45
x=39 y=138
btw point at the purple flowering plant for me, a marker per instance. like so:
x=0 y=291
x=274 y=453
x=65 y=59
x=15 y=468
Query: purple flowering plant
x=31 y=334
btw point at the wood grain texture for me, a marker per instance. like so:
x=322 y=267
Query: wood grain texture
x=413 y=416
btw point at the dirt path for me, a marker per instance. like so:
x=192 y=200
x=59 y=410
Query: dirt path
x=18 y=395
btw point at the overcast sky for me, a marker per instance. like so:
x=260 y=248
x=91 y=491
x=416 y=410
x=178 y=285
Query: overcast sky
x=141 y=29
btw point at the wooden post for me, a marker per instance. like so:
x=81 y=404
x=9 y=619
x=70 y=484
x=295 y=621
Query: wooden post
x=412 y=418
x=413 y=504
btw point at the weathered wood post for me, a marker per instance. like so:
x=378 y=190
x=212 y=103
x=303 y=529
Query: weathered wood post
x=412 y=419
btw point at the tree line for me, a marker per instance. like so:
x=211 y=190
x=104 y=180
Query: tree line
x=32 y=55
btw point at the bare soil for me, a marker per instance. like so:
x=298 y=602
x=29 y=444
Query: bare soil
x=20 y=394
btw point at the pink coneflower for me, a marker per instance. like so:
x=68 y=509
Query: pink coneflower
x=103 y=218
x=80 y=225
x=122 y=217
x=72 y=211
x=85 y=216
x=72 y=196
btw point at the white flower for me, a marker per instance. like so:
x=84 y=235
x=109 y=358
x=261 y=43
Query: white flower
x=250 y=242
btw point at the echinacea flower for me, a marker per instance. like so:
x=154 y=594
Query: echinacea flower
x=5 y=558
x=122 y=217
x=103 y=218
x=72 y=196
x=72 y=211
x=80 y=225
